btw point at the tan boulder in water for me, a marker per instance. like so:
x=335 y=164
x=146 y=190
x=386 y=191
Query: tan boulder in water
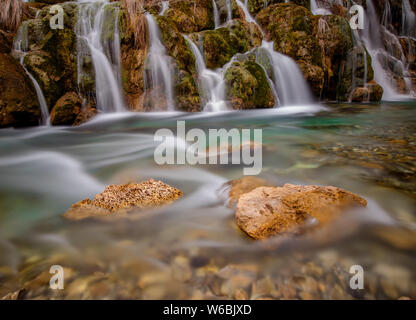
x=269 y=211
x=243 y=185
x=119 y=200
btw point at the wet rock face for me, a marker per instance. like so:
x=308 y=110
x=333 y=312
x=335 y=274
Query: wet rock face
x=187 y=95
x=269 y=211
x=247 y=86
x=18 y=102
x=117 y=200
x=69 y=110
x=372 y=92
x=51 y=54
x=293 y=29
x=220 y=45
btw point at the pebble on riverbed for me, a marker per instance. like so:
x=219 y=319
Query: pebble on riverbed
x=117 y=200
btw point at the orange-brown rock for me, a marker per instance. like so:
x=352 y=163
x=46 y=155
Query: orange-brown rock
x=269 y=211
x=242 y=186
x=120 y=200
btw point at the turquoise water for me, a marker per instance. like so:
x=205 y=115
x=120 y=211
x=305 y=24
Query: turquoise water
x=193 y=249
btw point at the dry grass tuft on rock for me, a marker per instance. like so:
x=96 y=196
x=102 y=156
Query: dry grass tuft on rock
x=119 y=200
x=10 y=14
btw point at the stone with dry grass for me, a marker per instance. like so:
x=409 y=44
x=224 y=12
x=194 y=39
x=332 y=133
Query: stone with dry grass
x=122 y=200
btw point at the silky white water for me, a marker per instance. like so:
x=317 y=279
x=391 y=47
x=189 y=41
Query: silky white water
x=371 y=36
x=102 y=45
x=408 y=20
x=229 y=11
x=159 y=69
x=316 y=10
x=165 y=7
x=216 y=14
x=211 y=83
x=289 y=83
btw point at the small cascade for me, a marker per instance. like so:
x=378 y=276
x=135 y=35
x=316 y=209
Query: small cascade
x=159 y=70
x=359 y=50
x=20 y=48
x=165 y=7
x=317 y=10
x=98 y=41
x=211 y=83
x=289 y=85
x=408 y=20
x=216 y=14
x=381 y=56
x=229 y=11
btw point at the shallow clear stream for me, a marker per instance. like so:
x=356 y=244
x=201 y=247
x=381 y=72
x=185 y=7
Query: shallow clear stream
x=193 y=249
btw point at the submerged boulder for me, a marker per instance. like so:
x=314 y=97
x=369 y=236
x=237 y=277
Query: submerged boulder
x=269 y=211
x=247 y=86
x=120 y=200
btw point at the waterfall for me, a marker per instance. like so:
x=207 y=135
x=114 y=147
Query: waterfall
x=229 y=11
x=20 y=47
x=211 y=83
x=100 y=43
x=289 y=84
x=159 y=69
x=408 y=20
x=165 y=7
x=216 y=14
x=291 y=87
x=317 y=10
x=371 y=36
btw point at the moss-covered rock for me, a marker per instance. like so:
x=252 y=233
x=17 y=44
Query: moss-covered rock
x=18 y=102
x=191 y=16
x=51 y=57
x=293 y=29
x=187 y=96
x=353 y=71
x=371 y=92
x=254 y=6
x=66 y=109
x=220 y=45
x=345 y=65
x=223 y=10
x=132 y=64
x=247 y=86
